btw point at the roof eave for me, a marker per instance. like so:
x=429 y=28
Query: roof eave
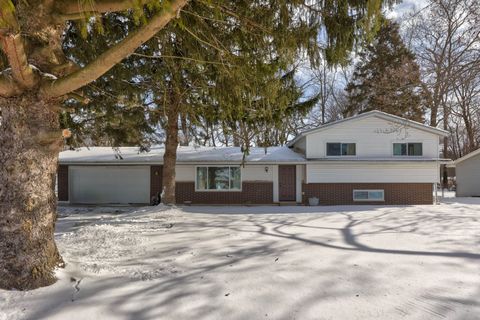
x=467 y=156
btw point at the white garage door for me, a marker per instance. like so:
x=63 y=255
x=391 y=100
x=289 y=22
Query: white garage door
x=109 y=184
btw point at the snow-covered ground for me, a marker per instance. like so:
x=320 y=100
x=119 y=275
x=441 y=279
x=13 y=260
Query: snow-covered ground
x=350 y=262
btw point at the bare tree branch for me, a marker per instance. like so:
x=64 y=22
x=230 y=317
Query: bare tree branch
x=114 y=55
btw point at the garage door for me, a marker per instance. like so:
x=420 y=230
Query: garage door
x=109 y=184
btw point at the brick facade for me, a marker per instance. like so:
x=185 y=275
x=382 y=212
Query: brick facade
x=395 y=193
x=262 y=192
x=62 y=183
x=252 y=193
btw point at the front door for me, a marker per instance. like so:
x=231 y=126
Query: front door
x=287 y=183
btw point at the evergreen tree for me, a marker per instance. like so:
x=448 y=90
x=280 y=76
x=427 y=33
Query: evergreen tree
x=386 y=78
x=37 y=76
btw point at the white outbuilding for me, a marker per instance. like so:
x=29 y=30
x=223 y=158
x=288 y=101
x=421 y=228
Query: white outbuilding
x=468 y=175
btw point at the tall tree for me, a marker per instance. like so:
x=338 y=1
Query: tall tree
x=386 y=78
x=216 y=67
x=445 y=37
x=37 y=76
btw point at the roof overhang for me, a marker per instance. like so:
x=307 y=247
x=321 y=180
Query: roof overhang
x=467 y=156
x=381 y=160
x=196 y=163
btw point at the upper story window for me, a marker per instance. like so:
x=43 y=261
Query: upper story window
x=211 y=178
x=407 y=149
x=341 y=149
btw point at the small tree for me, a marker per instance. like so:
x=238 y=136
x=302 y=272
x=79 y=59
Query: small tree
x=386 y=78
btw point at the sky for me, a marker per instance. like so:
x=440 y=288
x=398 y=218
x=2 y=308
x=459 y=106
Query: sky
x=396 y=13
x=406 y=7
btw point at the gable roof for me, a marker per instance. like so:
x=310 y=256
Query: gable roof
x=467 y=156
x=374 y=113
x=184 y=155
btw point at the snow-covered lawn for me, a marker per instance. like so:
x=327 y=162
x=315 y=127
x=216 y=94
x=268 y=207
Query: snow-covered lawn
x=351 y=262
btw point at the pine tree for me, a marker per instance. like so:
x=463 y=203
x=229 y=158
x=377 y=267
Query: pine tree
x=37 y=76
x=386 y=78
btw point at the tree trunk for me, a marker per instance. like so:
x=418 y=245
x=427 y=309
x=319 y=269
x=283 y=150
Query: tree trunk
x=170 y=156
x=433 y=115
x=445 y=146
x=236 y=133
x=472 y=146
x=186 y=134
x=30 y=140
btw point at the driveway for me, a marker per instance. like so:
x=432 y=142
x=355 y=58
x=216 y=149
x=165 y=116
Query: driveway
x=351 y=262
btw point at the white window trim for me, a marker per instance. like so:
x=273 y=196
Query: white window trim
x=219 y=190
x=369 y=190
x=343 y=156
x=406 y=142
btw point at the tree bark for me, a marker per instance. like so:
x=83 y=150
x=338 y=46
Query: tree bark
x=185 y=130
x=170 y=156
x=30 y=140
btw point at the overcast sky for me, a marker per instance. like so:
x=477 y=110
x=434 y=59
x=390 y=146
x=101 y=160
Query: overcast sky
x=405 y=7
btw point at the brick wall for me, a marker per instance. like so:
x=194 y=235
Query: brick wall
x=395 y=193
x=252 y=193
x=62 y=187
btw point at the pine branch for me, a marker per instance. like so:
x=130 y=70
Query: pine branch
x=11 y=43
x=73 y=8
x=180 y=58
x=114 y=55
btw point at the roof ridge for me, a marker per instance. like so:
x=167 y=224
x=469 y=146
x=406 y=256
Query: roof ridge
x=421 y=126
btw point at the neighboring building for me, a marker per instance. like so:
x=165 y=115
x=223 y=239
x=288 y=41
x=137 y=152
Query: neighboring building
x=372 y=158
x=467 y=170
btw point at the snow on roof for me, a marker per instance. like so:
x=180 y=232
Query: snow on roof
x=373 y=113
x=184 y=154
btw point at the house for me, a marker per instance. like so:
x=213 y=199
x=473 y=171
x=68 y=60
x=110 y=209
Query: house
x=371 y=158
x=467 y=170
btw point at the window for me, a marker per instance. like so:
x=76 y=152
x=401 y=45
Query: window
x=368 y=195
x=341 y=149
x=218 y=178
x=407 y=149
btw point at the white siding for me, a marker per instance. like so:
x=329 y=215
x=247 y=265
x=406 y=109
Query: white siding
x=468 y=177
x=257 y=173
x=301 y=145
x=334 y=172
x=186 y=173
x=374 y=137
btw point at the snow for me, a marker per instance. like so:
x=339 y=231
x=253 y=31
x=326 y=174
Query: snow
x=184 y=154
x=265 y=262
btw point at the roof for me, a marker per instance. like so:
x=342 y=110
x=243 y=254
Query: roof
x=374 y=113
x=468 y=156
x=184 y=155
